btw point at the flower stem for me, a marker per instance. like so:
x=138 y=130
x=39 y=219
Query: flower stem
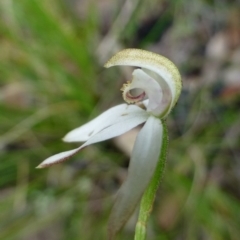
x=149 y=195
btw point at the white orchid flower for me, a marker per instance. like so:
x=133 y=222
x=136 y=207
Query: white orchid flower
x=157 y=85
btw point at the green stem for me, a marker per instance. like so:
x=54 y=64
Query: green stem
x=149 y=195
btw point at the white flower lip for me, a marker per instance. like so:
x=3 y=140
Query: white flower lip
x=150 y=87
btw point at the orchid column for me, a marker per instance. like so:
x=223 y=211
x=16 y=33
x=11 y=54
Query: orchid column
x=150 y=96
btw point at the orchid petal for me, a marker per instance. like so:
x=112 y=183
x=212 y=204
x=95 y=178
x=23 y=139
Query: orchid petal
x=112 y=131
x=106 y=119
x=58 y=158
x=155 y=63
x=144 y=160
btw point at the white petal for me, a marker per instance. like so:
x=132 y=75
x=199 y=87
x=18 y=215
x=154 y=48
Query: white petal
x=144 y=160
x=119 y=128
x=110 y=132
x=154 y=62
x=106 y=119
x=59 y=157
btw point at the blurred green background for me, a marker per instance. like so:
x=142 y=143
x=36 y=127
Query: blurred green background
x=52 y=80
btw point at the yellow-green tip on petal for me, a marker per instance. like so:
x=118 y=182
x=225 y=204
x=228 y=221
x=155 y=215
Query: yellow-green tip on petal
x=155 y=63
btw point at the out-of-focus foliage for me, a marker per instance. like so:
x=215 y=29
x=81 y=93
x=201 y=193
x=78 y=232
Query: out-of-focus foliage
x=52 y=80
